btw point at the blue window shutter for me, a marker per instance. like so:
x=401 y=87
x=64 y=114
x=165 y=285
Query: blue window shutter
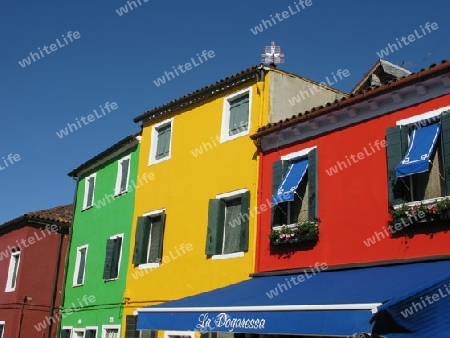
x=312 y=185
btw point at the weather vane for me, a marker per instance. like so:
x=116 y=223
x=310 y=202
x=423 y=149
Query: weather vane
x=272 y=55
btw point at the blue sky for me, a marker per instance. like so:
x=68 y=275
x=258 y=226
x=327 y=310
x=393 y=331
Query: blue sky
x=117 y=58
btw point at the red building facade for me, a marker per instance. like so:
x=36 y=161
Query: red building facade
x=352 y=148
x=32 y=258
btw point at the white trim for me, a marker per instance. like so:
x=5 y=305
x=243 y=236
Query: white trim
x=15 y=257
x=225 y=126
x=154 y=212
x=110 y=327
x=300 y=153
x=424 y=116
x=117 y=191
x=362 y=306
x=168 y=334
x=231 y=195
x=154 y=142
x=86 y=191
x=227 y=256
x=120 y=257
x=77 y=265
x=148 y=266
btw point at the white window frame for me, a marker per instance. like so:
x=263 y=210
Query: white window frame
x=110 y=327
x=12 y=260
x=169 y=334
x=225 y=130
x=86 y=191
x=120 y=256
x=289 y=157
x=2 y=323
x=154 y=142
x=229 y=196
x=117 y=191
x=144 y=266
x=78 y=330
x=93 y=328
x=77 y=265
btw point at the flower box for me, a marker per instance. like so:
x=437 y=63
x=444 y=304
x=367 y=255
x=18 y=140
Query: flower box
x=301 y=232
x=408 y=214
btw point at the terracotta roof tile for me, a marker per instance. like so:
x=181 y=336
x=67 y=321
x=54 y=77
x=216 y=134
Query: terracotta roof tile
x=62 y=214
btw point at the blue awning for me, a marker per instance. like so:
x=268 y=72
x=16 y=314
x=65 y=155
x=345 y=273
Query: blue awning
x=325 y=303
x=294 y=176
x=421 y=145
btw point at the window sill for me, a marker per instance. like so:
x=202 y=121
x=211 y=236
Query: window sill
x=117 y=194
x=77 y=285
x=225 y=138
x=425 y=202
x=227 y=256
x=111 y=279
x=148 y=266
x=88 y=207
x=10 y=290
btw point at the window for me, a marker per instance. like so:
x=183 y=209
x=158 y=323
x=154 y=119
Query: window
x=132 y=332
x=161 y=141
x=91 y=332
x=113 y=257
x=149 y=239
x=66 y=332
x=2 y=327
x=110 y=331
x=89 y=186
x=294 y=187
x=13 y=270
x=123 y=174
x=228 y=218
x=80 y=265
x=78 y=333
x=418 y=160
x=179 y=334
x=236 y=115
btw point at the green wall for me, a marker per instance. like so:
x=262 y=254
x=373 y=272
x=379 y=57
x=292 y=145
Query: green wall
x=93 y=227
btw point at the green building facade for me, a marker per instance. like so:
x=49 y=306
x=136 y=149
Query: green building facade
x=96 y=269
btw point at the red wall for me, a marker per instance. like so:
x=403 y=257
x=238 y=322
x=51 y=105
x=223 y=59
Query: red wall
x=352 y=204
x=34 y=279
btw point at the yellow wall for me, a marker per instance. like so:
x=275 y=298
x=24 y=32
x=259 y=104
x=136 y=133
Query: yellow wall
x=183 y=186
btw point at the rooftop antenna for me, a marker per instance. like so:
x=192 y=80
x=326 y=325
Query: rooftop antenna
x=272 y=55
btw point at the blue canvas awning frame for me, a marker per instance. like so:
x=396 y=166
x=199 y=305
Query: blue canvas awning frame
x=294 y=175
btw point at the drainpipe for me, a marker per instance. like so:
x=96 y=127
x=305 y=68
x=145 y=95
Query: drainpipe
x=55 y=280
x=66 y=265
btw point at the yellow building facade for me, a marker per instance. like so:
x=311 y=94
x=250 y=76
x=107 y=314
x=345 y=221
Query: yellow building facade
x=196 y=206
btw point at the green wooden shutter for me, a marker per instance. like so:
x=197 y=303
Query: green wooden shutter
x=116 y=257
x=216 y=219
x=445 y=139
x=64 y=334
x=157 y=243
x=239 y=114
x=130 y=327
x=397 y=145
x=109 y=260
x=312 y=185
x=81 y=266
x=245 y=217
x=279 y=169
x=89 y=334
x=90 y=191
x=163 y=142
x=141 y=240
x=124 y=178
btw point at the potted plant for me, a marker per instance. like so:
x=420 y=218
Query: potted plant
x=302 y=231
